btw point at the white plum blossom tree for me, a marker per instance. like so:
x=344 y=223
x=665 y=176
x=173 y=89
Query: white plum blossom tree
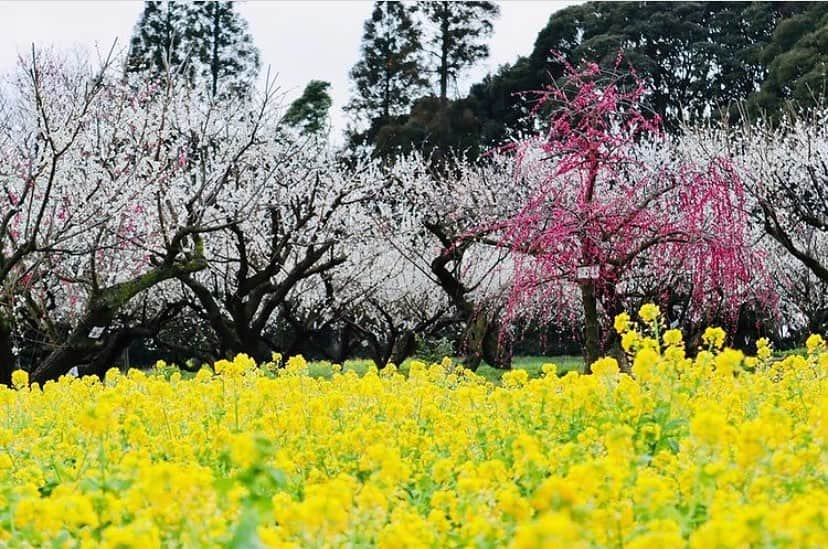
x=785 y=167
x=113 y=182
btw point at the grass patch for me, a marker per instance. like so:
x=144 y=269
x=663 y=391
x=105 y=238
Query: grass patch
x=532 y=364
x=324 y=368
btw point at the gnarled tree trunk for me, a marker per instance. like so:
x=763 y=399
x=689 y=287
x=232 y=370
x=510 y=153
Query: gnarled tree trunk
x=101 y=309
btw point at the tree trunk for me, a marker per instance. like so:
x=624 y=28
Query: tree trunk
x=340 y=345
x=214 y=58
x=381 y=354
x=71 y=353
x=254 y=345
x=592 y=330
x=473 y=339
x=7 y=358
x=403 y=347
x=116 y=344
x=443 y=141
x=482 y=342
x=481 y=336
x=494 y=352
x=444 y=52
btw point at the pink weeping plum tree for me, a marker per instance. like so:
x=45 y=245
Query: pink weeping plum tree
x=620 y=199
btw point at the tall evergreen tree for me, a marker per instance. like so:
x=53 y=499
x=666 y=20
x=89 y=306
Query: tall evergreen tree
x=457 y=37
x=229 y=62
x=389 y=75
x=158 y=42
x=309 y=113
x=208 y=41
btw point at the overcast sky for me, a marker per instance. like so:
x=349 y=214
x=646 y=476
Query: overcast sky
x=300 y=41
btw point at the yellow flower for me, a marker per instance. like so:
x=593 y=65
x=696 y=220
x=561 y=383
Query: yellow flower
x=708 y=426
x=435 y=457
x=515 y=378
x=244 y=362
x=714 y=337
x=442 y=470
x=554 y=492
x=112 y=375
x=674 y=353
x=629 y=341
x=20 y=378
x=622 y=322
x=814 y=343
x=728 y=361
x=672 y=337
x=606 y=366
x=644 y=363
x=243 y=450
x=549 y=369
x=763 y=349
x=296 y=366
x=140 y=533
x=649 y=312
x=659 y=533
x=222 y=366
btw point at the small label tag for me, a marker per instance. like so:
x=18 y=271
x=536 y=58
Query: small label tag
x=589 y=272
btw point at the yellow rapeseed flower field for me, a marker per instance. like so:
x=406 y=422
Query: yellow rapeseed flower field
x=719 y=451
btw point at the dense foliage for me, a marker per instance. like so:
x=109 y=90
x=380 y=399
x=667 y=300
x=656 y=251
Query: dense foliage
x=698 y=59
x=309 y=112
x=694 y=56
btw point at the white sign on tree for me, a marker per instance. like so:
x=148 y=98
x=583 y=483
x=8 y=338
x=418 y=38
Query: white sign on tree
x=588 y=272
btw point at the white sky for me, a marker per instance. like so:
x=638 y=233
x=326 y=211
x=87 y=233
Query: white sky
x=300 y=40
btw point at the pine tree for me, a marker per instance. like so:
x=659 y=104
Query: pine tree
x=458 y=31
x=158 y=42
x=389 y=76
x=309 y=113
x=208 y=41
x=228 y=60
